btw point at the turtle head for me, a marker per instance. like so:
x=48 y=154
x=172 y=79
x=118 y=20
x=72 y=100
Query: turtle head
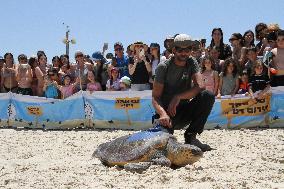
x=182 y=154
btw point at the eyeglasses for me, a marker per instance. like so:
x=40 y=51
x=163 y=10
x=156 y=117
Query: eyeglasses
x=180 y=50
x=118 y=49
x=79 y=55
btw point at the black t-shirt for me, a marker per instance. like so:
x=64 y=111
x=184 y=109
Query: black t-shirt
x=176 y=79
x=140 y=75
x=258 y=82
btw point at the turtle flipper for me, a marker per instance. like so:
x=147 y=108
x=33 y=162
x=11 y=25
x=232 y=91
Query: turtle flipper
x=163 y=161
x=137 y=167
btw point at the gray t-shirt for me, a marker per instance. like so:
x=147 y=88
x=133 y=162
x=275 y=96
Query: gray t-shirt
x=176 y=79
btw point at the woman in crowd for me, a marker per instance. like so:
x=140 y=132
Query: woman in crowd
x=239 y=53
x=260 y=34
x=217 y=40
x=81 y=71
x=249 y=39
x=139 y=67
x=37 y=77
x=56 y=62
x=155 y=55
x=8 y=74
x=101 y=69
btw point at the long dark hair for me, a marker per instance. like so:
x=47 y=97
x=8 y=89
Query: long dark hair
x=203 y=68
x=8 y=53
x=212 y=44
x=32 y=61
x=252 y=42
x=226 y=64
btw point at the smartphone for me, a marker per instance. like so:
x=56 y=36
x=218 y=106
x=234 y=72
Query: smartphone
x=105 y=47
x=141 y=53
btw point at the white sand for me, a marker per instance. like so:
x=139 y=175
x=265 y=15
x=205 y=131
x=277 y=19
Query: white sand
x=62 y=159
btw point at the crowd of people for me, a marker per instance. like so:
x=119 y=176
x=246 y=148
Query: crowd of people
x=242 y=67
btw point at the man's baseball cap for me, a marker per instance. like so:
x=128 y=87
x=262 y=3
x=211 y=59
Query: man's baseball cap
x=183 y=41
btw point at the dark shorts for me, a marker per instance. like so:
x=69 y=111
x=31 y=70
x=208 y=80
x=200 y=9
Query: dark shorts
x=277 y=80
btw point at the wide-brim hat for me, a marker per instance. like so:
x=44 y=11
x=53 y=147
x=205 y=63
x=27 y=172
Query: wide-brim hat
x=183 y=41
x=132 y=46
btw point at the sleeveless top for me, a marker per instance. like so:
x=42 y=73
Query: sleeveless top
x=208 y=78
x=229 y=84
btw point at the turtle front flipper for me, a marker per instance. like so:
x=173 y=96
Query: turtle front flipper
x=163 y=161
x=137 y=167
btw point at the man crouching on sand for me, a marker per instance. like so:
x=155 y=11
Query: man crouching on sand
x=173 y=89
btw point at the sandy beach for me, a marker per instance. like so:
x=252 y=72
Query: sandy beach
x=62 y=159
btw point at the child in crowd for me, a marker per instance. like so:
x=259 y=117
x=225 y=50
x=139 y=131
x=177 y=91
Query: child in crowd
x=93 y=85
x=113 y=82
x=258 y=81
x=229 y=79
x=214 y=53
x=67 y=89
x=50 y=87
x=278 y=60
x=252 y=57
x=209 y=75
x=125 y=83
x=244 y=84
x=24 y=76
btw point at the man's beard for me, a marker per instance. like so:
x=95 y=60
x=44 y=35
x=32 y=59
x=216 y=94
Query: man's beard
x=181 y=58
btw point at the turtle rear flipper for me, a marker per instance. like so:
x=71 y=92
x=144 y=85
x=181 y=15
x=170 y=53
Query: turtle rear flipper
x=137 y=167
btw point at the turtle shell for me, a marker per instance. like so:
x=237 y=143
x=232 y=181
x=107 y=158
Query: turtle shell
x=138 y=147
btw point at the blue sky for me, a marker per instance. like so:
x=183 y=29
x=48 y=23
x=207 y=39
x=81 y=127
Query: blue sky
x=31 y=25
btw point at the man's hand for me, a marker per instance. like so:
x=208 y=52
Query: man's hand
x=173 y=106
x=165 y=120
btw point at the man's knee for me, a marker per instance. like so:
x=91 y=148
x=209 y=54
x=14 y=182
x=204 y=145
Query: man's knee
x=207 y=97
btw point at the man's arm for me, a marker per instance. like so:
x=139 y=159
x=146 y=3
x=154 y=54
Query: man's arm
x=198 y=86
x=156 y=101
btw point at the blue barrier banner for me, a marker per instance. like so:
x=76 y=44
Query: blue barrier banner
x=119 y=109
x=132 y=110
x=38 y=112
x=277 y=107
x=5 y=109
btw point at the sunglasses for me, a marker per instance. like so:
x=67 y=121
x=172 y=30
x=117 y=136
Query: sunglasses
x=79 y=55
x=118 y=49
x=233 y=39
x=179 y=50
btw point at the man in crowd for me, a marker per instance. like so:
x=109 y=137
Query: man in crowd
x=121 y=60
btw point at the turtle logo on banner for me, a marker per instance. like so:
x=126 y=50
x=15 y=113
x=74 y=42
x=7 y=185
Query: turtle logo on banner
x=127 y=104
x=35 y=111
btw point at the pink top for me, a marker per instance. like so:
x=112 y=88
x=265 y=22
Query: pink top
x=208 y=78
x=93 y=87
x=66 y=91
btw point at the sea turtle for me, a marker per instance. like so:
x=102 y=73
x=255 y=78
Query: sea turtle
x=138 y=151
